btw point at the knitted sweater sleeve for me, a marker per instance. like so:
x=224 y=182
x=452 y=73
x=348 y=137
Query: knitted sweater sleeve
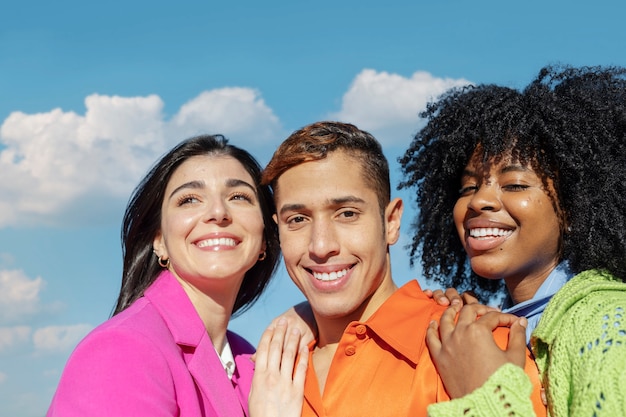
x=586 y=363
x=580 y=349
x=506 y=393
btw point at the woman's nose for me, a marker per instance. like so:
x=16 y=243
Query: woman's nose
x=486 y=198
x=217 y=211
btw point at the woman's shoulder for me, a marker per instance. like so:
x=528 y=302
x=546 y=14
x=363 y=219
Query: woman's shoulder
x=589 y=290
x=590 y=304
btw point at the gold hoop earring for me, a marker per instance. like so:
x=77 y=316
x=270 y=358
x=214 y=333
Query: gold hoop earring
x=262 y=256
x=163 y=264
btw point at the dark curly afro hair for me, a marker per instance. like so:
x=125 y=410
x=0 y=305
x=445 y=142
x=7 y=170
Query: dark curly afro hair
x=569 y=124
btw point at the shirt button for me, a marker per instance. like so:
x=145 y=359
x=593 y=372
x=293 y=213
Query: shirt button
x=350 y=350
x=361 y=330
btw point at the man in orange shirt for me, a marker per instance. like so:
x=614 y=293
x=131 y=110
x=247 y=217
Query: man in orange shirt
x=336 y=221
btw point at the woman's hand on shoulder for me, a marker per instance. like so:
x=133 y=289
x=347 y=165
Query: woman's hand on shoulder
x=464 y=350
x=300 y=317
x=450 y=296
x=279 y=374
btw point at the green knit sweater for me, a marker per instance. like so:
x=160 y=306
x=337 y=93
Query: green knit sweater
x=580 y=349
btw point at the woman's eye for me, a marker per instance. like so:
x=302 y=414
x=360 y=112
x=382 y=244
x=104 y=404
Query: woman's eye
x=242 y=197
x=515 y=187
x=187 y=199
x=468 y=189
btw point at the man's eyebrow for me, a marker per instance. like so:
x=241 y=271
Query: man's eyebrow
x=291 y=207
x=333 y=201
x=346 y=199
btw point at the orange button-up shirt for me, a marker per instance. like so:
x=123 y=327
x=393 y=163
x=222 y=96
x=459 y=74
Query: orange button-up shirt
x=382 y=366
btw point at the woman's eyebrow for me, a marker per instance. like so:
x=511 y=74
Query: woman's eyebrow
x=235 y=182
x=194 y=185
x=514 y=168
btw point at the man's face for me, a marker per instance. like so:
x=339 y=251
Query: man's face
x=333 y=237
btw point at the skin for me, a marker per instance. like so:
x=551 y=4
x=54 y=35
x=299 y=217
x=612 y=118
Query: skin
x=279 y=373
x=508 y=225
x=523 y=250
x=335 y=245
x=212 y=233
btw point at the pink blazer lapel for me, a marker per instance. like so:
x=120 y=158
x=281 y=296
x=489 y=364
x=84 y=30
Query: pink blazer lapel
x=206 y=369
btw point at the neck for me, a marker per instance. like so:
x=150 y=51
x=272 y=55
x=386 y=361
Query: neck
x=525 y=287
x=214 y=308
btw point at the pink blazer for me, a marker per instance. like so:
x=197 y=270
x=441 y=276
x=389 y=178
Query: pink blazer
x=154 y=359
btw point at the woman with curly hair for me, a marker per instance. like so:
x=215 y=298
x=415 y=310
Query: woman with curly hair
x=528 y=188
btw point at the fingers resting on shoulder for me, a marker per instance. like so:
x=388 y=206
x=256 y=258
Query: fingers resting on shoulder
x=450 y=296
x=280 y=371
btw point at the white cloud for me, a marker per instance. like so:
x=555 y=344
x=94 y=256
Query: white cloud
x=67 y=168
x=19 y=295
x=62 y=163
x=3 y=377
x=59 y=338
x=234 y=111
x=13 y=337
x=388 y=105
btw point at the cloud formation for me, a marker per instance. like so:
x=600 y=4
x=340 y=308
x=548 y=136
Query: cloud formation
x=58 y=160
x=19 y=296
x=19 y=301
x=53 y=339
x=67 y=168
x=388 y=105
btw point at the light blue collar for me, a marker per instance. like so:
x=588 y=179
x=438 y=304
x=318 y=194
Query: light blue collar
x=533 y=309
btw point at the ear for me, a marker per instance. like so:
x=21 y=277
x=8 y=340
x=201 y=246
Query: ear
x=275 y=217
x=158 y=245
x=393 y=218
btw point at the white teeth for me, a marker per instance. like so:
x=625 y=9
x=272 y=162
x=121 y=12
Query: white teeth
x=223 y=241
x=489 y=231
x=325 y=276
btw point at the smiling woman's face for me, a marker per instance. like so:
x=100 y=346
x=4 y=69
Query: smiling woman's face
x=507 y=221
x=211 y=222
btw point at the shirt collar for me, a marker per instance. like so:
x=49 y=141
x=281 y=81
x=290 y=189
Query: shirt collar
x=401 y=321
x=533 y=309
x=228 y=360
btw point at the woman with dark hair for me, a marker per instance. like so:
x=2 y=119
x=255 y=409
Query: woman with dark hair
x=199 y=245
x=528 y=187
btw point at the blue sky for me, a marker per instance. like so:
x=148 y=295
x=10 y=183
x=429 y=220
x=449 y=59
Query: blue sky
x=92 y=93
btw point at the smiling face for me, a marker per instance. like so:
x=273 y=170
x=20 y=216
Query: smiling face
x=211 y=223
x=508 y=224
x=333 y=237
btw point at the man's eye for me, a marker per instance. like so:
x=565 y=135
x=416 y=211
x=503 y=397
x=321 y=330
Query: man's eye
x=349 y=215
x=296 y=219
